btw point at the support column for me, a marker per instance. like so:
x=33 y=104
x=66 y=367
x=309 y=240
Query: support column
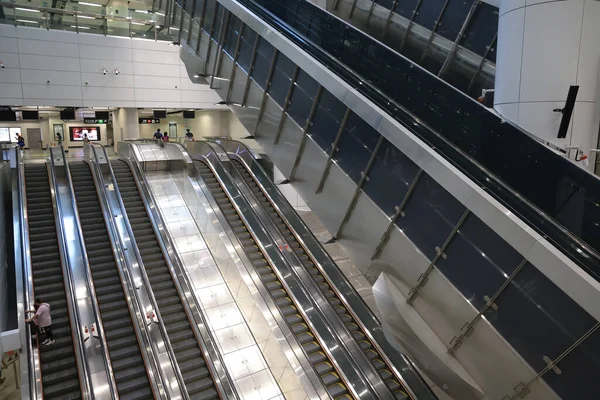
x=543 y=48
x=125 y=125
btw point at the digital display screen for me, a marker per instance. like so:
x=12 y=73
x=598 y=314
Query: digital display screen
x=4 y=135
x=14 y=132
x=78 y=133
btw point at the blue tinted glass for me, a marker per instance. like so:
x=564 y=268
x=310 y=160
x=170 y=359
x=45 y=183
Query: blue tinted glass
x=302 y=98
x=326 y=121
x=385 y=3
x=246 y=47
x=281 y=79
x=430 y=215
x=429 y=12
x=218 y=25
x=233 y=30
x=482 y=29
x=406 y=8
x=390 y=176
x=478 y=261
x=262 y=62
x=208 y=14
x=537 y=318
x=454 y=18
x=356 y=145
x=579 y=371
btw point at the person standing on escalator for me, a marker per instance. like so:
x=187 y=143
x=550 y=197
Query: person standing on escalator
x=43 y=320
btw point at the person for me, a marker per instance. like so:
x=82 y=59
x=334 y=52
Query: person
x=42 y=319
x=20 y=141
x=59 y=138
x=189 y=136
x=86 y=139
x=158 y=135
x=165 y=138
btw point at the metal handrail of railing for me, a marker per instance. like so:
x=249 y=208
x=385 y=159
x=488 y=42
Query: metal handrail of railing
x=207 y=342
x=31 y=375
x=148 y=352
x=47 y=11
x=148 y=288
x=83 y=369
x=354 y=379
x=112 y=385
x=352 y=301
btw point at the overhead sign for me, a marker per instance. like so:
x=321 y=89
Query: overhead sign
x=94 y=121
x=149 y=121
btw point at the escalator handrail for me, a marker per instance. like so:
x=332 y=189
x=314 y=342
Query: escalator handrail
x=148 y=287
x=350 y=298
x=112 y=385
x=206 y=340
x=297 y=269
x=24 y=270
x=354 y=380
x=153 y=371
x=578 y=250
x=83 y=370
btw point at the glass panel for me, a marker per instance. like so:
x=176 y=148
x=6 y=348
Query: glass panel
x=537 y=318
x=327 y=119
x=246 y=47
x=208 y=14
x=406 y=8
x=262 y=62
x=385 y=3
x=579 y=372
x=454 y=18
x=218 y=22
x=356 y=146
x=478 y=261
x=389 y=179
x=302 y=98
x=481 y=30
x=429 y=12
x=231 y=38
x=430 y=215
x=281 y=80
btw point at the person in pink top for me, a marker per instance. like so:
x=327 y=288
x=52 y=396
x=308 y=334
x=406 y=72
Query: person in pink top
x=42 y=319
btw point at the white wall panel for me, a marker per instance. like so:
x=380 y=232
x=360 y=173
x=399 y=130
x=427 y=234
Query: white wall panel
x=10 y=90
x=589 y=61
x=585 y=125
x=508 y=59
x=51 y=92
x=37 y=77
x=48 y=63
x=549 y=57
x=538 y=117
x=47 y=48
x=157 y=72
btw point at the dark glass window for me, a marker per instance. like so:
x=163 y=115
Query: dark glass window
x=385 y=3
x=356 y=145
x=233 y=30
x=389 y=179
x=281 y=79
x=302 y=98
x=262 y=62
x=327 y=119
x=454 y=18
x=246 y=47
x=481 y=30
x=478 y=261
x=406 y=8
x=429 y=12
x=208 y=14
x=430 y=215
x=537 y=318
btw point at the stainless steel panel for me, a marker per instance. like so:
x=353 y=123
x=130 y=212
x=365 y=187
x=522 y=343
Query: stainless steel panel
x=239 y=84
x=309 y=170
x=267 y=127
x=221 y=81
x=283 y=154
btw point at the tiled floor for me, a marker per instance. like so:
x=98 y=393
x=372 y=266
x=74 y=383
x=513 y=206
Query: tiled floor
x=252 y=356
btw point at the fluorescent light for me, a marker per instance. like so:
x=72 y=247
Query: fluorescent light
x=26 y=9
x=90 y=4
x=159 y=13
x=85 y=16
x=80 y=27
x=27 y=21
x=137 y=23
x=142 y=11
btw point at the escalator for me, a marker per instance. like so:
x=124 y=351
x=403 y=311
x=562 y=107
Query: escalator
x=324 y=285
x=317 y=356
x=125 y=355
x=58 y=365
x=198 y=381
